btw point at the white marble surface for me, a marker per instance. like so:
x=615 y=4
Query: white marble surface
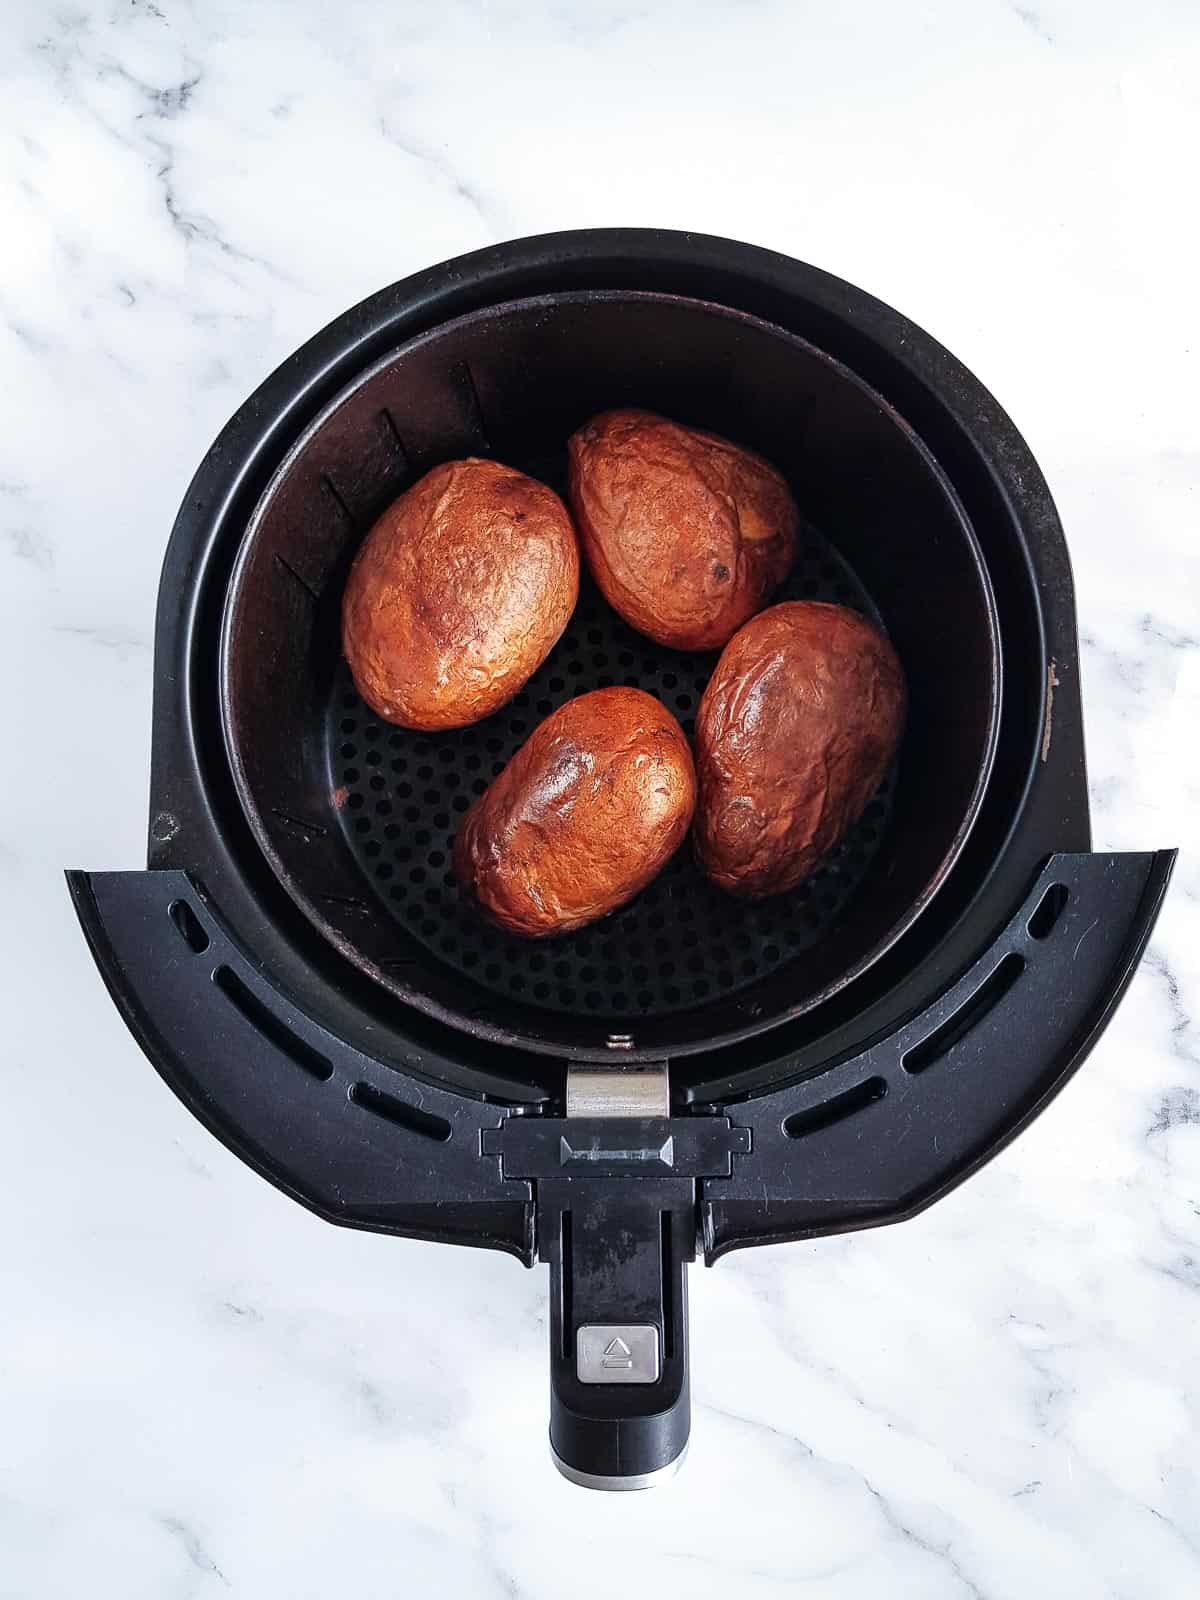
x=204 y=1390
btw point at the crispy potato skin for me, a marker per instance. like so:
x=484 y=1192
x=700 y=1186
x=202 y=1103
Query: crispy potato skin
x=686 y=534
x=458 y=594
x=592 y=806
x=795 y=731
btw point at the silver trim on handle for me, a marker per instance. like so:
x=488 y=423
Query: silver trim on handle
x=614 y=1481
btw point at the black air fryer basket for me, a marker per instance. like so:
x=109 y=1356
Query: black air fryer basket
x=694 y=1072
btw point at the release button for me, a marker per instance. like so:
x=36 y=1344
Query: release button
x=617 y=1353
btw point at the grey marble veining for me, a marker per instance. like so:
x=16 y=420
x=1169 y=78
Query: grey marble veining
x=204 y=1390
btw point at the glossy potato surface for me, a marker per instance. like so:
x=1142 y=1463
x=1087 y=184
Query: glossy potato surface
x=686 y=534
x=458 y=594
x=592 y=806
x=795 y=731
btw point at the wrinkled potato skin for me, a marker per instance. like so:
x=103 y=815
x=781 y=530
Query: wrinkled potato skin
x=459 y=593
x=686 y=534
x=591 y=808
x=795 y=731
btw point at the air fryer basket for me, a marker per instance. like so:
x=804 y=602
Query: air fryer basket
x=357 y=819
x=692 y=1072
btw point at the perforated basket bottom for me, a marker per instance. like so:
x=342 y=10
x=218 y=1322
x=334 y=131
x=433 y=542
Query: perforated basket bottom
x=681 y=942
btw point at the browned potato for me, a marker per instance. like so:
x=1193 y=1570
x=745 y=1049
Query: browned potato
x=686 y=534
x=795 y=731
x=458 y=595
x=592 y=806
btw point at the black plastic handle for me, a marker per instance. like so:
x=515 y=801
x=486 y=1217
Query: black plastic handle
x=617 y=1223
x=620 y=1409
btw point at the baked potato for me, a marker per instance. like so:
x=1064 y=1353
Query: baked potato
x=686 y=534
x=796 y=729
x=458 y=594
x=592 y=806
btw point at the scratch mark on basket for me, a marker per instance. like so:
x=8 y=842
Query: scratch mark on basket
x=346 y=901
x=307 y=831
x=1051 y=685
x=1094 y=923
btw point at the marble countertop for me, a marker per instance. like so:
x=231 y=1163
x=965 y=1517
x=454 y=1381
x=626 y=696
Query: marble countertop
x=203 y=1389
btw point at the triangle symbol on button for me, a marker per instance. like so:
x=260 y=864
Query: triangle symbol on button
x=617 y=1354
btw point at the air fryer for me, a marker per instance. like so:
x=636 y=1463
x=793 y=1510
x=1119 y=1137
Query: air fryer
x=694 y=1073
